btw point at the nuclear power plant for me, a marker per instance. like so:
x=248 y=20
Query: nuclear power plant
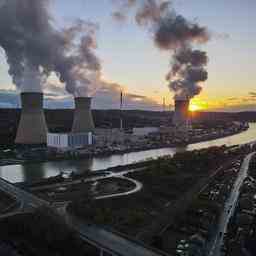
x=82 y=131
x=32 y=127
x=181 y=113
x=83 y=121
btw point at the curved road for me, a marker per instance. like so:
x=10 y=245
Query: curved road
x=138 y=185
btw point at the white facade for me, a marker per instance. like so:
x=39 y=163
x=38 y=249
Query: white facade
x=68 y=141
x=144 y=131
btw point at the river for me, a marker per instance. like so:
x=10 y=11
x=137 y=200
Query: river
x=33 y=172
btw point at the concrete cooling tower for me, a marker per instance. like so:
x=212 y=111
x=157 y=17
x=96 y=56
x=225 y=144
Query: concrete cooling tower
x=83 y=121
x=32 y=127
x=181 y=115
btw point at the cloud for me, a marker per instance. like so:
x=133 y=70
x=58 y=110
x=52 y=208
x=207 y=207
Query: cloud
x=233 y=99
x=108 y=97
x=252 y=94
x=9 y=99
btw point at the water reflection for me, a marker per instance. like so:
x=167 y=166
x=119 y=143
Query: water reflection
x=32 y=172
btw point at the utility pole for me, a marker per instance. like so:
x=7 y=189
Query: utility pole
x=164 y=104
x=121 y=109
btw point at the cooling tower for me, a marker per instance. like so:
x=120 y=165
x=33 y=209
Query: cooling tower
x=32 y=127
x=83 y=121
x=181 y=115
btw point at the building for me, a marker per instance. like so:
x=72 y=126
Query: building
x=69 y=141
x=145 y=131
x=107 y=137
x=83 y=120
x=181 y=113
x=181 y=122
x=32 y=127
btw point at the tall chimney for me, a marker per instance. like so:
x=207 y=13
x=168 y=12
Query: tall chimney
x=32 y=127
x=83 y=121
x=181 y=115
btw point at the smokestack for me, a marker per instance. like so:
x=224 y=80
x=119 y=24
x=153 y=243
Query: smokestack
x=121 y=111
x=180 y=118
x=32 y=127
x=83 y=121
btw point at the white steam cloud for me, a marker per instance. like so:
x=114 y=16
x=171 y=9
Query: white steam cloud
x=34 y=48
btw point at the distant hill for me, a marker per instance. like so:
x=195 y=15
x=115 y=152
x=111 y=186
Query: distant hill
x=60 y=120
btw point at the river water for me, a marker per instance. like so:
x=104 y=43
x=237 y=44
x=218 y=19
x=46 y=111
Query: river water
x=33 y=172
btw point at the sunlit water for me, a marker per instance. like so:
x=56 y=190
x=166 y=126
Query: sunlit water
x=33 y=172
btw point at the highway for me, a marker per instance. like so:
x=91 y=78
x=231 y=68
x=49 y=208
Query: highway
x=27 y=200
x=228 y=210
x=122 y=245
x=105 y=240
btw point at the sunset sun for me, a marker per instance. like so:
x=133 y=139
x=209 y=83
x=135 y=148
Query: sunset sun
x=194 y=107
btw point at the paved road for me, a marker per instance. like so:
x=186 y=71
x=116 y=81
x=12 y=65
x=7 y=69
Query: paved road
x=138 y=185
x=28 y=201
x=108 y=241
x=121 y=245
x=215 y=247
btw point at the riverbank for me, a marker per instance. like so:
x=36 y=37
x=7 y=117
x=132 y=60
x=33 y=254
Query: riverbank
x=41 y=155
x=66 y=177
x=26 y=172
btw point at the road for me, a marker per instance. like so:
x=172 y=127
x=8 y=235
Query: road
x=28 y=201
x=122 y=245
x=137 y=185
x=112 y=243
x=115 y=243
x=215 y=246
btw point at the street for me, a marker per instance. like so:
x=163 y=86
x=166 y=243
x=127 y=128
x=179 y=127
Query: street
x=216 y=244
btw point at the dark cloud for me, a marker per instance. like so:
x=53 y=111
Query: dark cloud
x=175 y=34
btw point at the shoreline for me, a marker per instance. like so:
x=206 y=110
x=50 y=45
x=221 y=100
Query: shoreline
x=85 y=156
x=87 y=174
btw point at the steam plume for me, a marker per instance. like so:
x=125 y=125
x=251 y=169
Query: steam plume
x=34 y=48
x=173 y=33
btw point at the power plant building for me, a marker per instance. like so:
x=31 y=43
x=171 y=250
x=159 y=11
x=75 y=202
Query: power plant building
x=145 y=131
x=83 y=120
x=181 y=113
x=32 y=129
x=69 y=141
x=181 y=122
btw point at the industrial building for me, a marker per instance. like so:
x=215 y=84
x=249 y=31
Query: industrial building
x=82 y=129
x=181 y=113
x=105 y=137
x=181 y=121
x=83 y=120
x=69 y=141
x=32 y=127
x=145 y=131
